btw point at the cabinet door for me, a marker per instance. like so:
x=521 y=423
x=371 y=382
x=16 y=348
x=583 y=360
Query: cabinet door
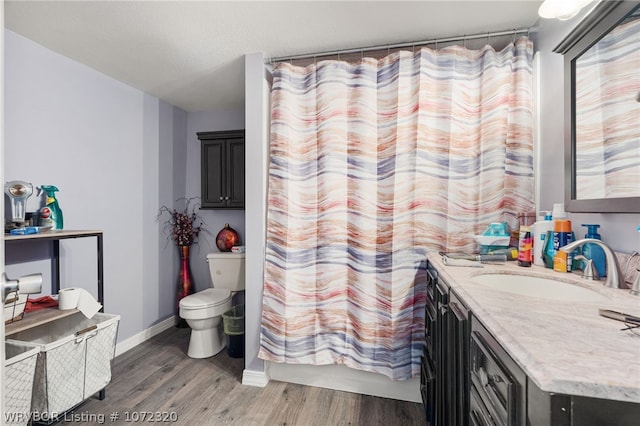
x=428 y=378
x=497 y=379
x=235 y=173
x=443 y=403
x=458 y=361
x=213 y=171
x=428 y=390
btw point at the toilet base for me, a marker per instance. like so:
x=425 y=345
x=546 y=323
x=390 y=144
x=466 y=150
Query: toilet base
x=205 y=343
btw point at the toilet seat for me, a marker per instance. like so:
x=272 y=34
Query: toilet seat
x=207 y=298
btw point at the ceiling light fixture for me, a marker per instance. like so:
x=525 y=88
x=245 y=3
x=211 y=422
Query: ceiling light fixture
x=561 y=9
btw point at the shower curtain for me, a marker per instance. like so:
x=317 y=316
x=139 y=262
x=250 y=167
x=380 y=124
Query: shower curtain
x=371 y=165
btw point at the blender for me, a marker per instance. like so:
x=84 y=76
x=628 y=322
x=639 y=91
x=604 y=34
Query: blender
x=18 y=192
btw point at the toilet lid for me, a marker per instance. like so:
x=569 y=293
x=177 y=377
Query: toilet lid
x=205 y=298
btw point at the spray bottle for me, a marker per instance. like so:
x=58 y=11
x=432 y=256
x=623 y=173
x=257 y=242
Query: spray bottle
x=51 y=214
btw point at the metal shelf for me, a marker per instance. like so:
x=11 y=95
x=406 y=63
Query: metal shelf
x=36 y=318
x=32 y=319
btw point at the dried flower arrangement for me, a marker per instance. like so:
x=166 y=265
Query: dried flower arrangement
x=183 y=227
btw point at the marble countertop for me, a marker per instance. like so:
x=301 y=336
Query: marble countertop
x=564 y=347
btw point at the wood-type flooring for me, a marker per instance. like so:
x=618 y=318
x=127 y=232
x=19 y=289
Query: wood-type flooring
x=156 y=383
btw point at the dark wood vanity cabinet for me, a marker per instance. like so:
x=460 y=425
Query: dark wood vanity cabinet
x=468 y=378
x=222 y=169
x=444 y=380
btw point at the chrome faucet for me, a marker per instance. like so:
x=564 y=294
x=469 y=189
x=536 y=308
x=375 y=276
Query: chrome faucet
x=614 y=276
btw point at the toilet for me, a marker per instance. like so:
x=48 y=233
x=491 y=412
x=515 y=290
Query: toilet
x=203 y=310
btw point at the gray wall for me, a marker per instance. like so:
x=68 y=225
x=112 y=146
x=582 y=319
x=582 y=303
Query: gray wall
x=109 y=149
x=117 y=155
x=617 y=230
x=257 y=119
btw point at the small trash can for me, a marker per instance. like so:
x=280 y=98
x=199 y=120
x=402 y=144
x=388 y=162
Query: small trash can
x=233 y=321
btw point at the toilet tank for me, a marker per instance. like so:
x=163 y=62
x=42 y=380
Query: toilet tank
x=227 y=270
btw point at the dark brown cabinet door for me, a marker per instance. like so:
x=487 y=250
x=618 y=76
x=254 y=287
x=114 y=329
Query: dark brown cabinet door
x=222 y=169
x=235 y=172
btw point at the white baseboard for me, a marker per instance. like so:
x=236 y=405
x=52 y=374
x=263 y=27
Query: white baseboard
x=144 y=335
x=346 y=379
x=255 y=378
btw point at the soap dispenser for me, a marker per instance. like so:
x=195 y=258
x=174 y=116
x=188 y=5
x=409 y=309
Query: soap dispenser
x=593 y=251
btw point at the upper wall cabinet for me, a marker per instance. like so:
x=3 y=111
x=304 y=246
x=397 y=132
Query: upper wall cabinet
x=222 y=169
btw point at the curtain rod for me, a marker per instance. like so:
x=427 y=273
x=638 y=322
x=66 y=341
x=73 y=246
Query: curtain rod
x=513 y=32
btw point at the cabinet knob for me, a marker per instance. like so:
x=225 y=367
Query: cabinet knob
x=226 y=198
x=221 y=198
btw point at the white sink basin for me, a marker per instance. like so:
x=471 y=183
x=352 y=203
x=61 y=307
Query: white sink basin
x=533 y=286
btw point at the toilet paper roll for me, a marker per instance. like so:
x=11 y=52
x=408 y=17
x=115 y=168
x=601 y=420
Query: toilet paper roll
x=78 y=298
x=68 y=298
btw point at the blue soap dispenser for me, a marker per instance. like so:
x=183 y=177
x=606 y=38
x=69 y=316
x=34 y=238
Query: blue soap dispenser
x=594 y=252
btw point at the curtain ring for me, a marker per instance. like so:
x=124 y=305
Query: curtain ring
x=514 y=36
x=489 y=39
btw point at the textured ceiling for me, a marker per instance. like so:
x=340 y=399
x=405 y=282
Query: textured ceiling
x=191 y=53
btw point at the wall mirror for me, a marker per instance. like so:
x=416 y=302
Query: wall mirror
x=602 y=110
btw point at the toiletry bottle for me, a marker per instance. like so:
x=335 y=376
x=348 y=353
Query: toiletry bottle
x=548 y=252
x=524 y=219
x=51 y=212
x=594 y=252
x=539 y=233
x=562 y=235
x=560 y=262
x=558 y=211
x=525 y=249
x=553 y=239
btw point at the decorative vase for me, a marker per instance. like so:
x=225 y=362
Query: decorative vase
x=227 y=238
x=185 y=283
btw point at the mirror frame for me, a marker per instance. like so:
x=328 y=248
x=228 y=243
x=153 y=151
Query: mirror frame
x=598 y=23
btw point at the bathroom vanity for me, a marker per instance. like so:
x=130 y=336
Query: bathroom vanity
x=496 y=357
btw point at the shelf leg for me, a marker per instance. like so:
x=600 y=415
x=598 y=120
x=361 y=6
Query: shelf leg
x=55 y=266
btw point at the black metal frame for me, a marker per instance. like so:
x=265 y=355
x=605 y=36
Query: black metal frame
x=54 y=238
